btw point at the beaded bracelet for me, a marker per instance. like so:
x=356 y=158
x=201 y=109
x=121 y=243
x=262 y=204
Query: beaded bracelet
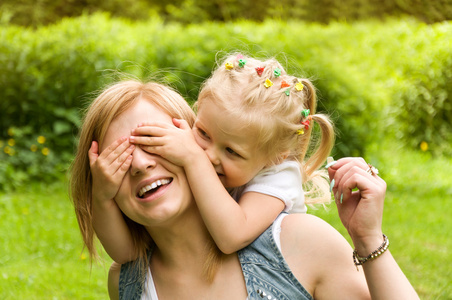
x=361 y=260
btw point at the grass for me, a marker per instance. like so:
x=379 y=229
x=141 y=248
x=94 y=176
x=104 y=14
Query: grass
x=417 y=216
x=42 y=255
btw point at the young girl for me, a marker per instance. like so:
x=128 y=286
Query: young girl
x=251 y=136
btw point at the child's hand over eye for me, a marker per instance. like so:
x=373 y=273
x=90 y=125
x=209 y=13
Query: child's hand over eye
x=109 y=167
x=174 y=143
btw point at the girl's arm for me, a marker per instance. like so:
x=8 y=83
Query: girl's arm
x=108 y=169
x=232 y=225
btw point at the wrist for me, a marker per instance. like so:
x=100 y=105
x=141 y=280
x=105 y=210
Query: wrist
x=102 y=202
x=366 y=245
x=359 y=260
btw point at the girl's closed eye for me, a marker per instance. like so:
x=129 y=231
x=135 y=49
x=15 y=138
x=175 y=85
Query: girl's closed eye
x=232 y=152
x=203 y=134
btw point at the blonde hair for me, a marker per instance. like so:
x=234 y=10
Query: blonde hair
x=111 y=103
x=272 y=115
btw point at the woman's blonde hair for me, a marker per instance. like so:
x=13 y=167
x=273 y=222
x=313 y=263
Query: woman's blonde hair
x=111 y=103
x=268 y=103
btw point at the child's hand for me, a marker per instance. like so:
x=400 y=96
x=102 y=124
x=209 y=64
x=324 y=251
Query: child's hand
x=108 y=168
x=174 y=143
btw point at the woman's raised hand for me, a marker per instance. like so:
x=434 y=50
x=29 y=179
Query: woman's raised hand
x=109 y=167
x=359 y=194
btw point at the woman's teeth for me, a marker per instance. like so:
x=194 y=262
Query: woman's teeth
x=152 y=186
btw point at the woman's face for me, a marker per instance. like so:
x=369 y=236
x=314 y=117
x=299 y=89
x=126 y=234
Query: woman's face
x=170 y=195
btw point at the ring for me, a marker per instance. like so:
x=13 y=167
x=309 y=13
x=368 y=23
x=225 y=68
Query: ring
x=372 y=170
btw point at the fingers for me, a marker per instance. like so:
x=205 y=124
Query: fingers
x=349 y=174
x=181 y=123
x=115 y=156
x=93 y=152
x=149 y=131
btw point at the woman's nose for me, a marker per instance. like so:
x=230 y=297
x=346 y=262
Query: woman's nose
x=142 y=161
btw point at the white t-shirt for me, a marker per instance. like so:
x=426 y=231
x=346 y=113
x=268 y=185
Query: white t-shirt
x=282 y=181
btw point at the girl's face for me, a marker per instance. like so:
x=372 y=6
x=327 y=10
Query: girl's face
x=231 y=150
x=172 y=194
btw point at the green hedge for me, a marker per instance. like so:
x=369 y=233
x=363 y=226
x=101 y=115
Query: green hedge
x=365 y=73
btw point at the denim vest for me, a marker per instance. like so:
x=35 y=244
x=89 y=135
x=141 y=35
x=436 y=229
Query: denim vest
x=267 y=275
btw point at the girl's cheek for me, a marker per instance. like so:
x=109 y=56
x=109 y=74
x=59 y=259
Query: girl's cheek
x=201 y=142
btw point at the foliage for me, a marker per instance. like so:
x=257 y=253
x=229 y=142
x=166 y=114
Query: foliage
x=27 y=156
x=423 y=115
x=365 y=74
x=37 y=13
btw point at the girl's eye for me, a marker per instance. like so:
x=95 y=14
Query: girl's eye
x=203 y=133
x=229 y=150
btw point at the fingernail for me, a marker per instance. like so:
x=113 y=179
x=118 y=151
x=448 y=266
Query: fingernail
x=331 y=185
x=330 y=164
x=342 y=196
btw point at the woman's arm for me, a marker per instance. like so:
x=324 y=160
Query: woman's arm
x=113 y=281
x=108 y=169
x=359 y=194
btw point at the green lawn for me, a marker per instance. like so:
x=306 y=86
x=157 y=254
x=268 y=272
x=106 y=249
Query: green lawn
x=41 y=250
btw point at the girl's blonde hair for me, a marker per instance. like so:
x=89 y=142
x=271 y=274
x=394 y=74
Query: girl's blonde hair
x=268 y=103
x=111 y=103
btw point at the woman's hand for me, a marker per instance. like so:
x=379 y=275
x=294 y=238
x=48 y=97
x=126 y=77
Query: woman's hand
x=359 y=195
x=174 y=143
x=109 y=167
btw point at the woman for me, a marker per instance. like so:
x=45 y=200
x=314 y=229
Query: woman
x=298 y=257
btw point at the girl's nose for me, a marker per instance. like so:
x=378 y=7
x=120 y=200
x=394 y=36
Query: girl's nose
x=141 y=162
x=213 y=157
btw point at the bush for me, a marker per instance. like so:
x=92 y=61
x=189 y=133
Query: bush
x=48 y=75
x=423 y=112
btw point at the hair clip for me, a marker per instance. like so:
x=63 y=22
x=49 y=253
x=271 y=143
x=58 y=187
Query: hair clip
x=259 y=70
x=284 y=84
x=239 y=56
x=305 y=112
x=307 y=123
x=242 y=63
x=300 y=131
x=299 y=86
x=277 y=72
x=228 y=66
x=268 y=83
x=287 y=92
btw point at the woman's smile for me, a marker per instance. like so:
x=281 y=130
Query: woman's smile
x=153 y=189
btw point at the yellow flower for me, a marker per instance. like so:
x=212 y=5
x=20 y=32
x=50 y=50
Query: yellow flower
x=41 y=139
x=33 y=148
x=11 y=142
x=82 y=256
x=424 y=146
x=10 y=131
x=45 y=151
x=9 y=151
